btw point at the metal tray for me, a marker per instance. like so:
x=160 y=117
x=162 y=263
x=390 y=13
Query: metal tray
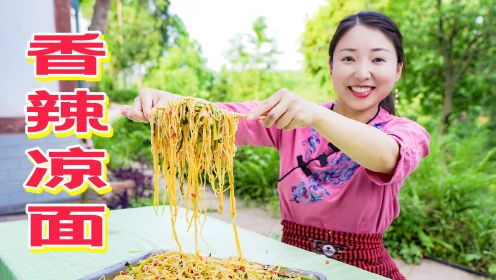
x=110 y=272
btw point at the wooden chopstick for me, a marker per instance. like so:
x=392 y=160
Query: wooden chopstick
x=261 y=118
x=239 y=115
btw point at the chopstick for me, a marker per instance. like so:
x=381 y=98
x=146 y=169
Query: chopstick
x=239 y=115
x=260 y=118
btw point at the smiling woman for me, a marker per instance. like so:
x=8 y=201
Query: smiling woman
x=373 y=65
x=342 y=206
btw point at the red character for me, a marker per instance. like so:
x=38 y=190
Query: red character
x=81 y=112
x=41 y=113
x=67 y=226
x=85 y=111
x=67 y=56
x=70 y=169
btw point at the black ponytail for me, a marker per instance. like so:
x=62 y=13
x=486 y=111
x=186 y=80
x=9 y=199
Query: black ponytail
x=389 y=104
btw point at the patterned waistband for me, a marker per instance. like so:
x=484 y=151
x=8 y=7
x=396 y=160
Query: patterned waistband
x=364 y=250
x=352 y=241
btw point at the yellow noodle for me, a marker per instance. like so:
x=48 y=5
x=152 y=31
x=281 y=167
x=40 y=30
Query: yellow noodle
x=187 y=143
x=182 y=266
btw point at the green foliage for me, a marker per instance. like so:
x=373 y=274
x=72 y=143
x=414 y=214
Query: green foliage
x=171 y=27
x=128 y=21
x=142 y=202
x=255 y=84
x=232 y=85
x=258 y=85
x=253 y=51
x=447 y=204
x=251 y=58
x=256 y=171
x=463 y=22
x=130 y=143
x=251 y=77
x=124 y=95
x=302 y=84
x=138 y=33
x=181 y=70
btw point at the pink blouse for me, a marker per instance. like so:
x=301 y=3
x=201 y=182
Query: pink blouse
x=332 y=191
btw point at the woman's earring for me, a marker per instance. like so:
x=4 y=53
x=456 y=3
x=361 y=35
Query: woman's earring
x=396 y=96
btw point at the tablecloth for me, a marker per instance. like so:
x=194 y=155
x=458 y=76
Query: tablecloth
x=134 y=231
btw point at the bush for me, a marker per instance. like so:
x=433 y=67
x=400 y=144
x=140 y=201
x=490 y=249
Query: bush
x=256 y=171
x=256 y=84
x=447 y=205
x=130 y=143
x=142 y=190
x=182 y=70
x=124 y=95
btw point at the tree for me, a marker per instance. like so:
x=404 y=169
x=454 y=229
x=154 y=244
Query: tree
x=250 y=72
x=182 y=70
x=253 y=51
x=448 y=44
x=100 y=15
x=139 y=32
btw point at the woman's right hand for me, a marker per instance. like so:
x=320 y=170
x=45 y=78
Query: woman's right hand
x=146 y=100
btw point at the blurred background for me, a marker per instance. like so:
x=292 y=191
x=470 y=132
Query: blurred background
x=237 y=50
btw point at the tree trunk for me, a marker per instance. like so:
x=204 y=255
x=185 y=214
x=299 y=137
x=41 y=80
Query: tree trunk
x=449 y=88
x=100 y=16
x=98 y=23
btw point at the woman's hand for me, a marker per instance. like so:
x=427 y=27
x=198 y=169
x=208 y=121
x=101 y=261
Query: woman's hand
x=146 y=100
x=286 y=110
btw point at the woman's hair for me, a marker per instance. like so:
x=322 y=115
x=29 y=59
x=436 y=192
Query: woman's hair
x=382 y=23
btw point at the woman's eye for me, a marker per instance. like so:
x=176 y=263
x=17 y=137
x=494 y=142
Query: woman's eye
x=347 y=58
x=379 y=59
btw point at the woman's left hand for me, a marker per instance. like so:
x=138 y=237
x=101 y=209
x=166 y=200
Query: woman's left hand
x=286 y=110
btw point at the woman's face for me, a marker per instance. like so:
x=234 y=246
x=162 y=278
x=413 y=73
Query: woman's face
x=364 y=69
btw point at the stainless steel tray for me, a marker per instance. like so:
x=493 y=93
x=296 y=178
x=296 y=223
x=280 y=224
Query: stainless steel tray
x=112 y=271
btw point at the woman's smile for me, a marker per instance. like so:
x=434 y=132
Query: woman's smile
x=361 y=91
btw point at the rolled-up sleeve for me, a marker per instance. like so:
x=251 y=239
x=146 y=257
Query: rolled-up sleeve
x=413 y=141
